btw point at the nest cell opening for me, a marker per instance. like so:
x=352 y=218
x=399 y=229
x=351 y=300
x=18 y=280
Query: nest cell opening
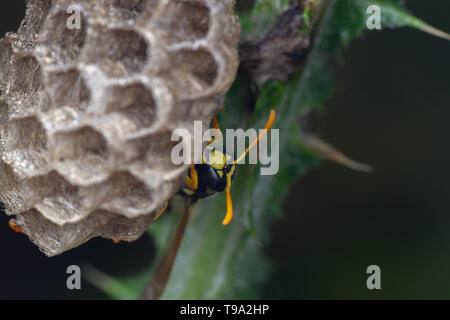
x=56 y=198
x=186 y=20
x=65 y=100
x=28 y=81
x=153 y=157
x=129 y=109
x=25 y=146
x=81 y=156
x=133 y=198
x=67 y=88
x=196 y=70
x=64 y=34
x=118 y=52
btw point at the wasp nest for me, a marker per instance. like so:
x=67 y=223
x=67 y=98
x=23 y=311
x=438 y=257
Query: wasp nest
x=87 y=113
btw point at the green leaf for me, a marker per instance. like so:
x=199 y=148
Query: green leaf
x=393 y=15
x=257 y=21
x=216 y=262
x=343 y=21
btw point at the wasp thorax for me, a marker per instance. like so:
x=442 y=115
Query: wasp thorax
x=90 y=96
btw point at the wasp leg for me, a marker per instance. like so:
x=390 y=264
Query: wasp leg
x=116 y=240
x=216 y=125
x=191 y=181
x=161 y=211
x=13 y=226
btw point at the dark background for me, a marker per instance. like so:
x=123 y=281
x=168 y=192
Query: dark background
x=391 y=110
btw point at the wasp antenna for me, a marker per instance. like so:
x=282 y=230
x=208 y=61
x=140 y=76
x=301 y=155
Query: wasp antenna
x=229 y=214
x=261 y=135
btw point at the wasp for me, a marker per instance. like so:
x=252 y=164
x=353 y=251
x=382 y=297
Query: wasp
x=215 y=174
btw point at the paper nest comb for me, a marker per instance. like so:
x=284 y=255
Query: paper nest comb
x=87 y=114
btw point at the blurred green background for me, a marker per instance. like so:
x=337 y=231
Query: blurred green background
x=391 y=110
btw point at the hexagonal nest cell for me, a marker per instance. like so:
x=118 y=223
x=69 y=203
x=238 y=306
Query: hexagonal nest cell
x=186 y=20
x=87 y=113
x=81 y=156
x=123 y=52
x=66 y=88
x=25 y=88
x=25 y=147
x=59 y=44
x=196 y=70
x=129 y=109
